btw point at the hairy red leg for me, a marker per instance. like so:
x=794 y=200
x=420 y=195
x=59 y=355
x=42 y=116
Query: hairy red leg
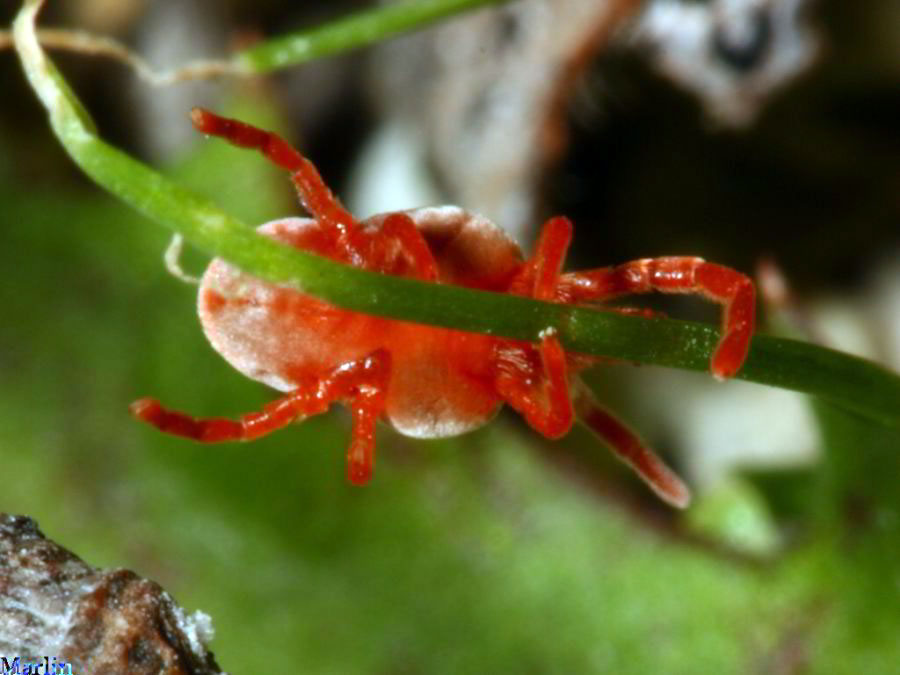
x=361 y=383
x=314 y=194
x=629 y=448
x=678 y=274
x=549 y=256
x=538 y=390
x=400 y=227
x=540 y=274
x=544 y=398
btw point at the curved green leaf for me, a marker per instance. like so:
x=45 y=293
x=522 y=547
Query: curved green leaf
x=853 y=383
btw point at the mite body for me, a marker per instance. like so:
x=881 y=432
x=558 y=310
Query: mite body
x=441 y=381
x=427 y=382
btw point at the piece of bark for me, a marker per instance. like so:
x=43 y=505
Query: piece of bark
x=57 y=610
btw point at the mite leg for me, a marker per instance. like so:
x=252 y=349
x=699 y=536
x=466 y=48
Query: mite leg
x=539 y=388
x=629 y=448
x=549 y=256
x=540 y=274
x=536 y=388
x=361 y=384
x=314 y=194
x=365 y=383
x=400 y=228
x=679 y=274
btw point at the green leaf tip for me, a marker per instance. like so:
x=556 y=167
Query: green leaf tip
x=67 y=114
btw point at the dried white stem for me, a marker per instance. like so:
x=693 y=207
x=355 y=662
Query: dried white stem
x=172 y=258
x=89 y=44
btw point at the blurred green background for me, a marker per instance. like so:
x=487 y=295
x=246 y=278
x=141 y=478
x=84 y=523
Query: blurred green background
x=497 y=551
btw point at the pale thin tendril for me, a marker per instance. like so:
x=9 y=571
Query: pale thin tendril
x=89 y=44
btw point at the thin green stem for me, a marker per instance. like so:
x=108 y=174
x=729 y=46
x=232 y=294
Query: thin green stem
x=853 y=383
x=356 y=30
x=349 y=32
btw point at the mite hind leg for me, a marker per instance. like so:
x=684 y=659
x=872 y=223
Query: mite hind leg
x=361 y=384
x=628 y=447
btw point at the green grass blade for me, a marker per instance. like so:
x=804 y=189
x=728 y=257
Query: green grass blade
x=357 y=30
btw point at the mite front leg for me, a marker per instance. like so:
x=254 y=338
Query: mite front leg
x=537 y=388
x=361 y=384
x=400 y=229
x=629 y=448
x=333 y=218
x=678 y=274
x=540 y=275
x=549 y=256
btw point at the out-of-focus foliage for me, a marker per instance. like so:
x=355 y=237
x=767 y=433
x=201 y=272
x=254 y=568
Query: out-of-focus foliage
x=469 y=555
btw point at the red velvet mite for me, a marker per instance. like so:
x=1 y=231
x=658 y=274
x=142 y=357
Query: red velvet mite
x=427 y=382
